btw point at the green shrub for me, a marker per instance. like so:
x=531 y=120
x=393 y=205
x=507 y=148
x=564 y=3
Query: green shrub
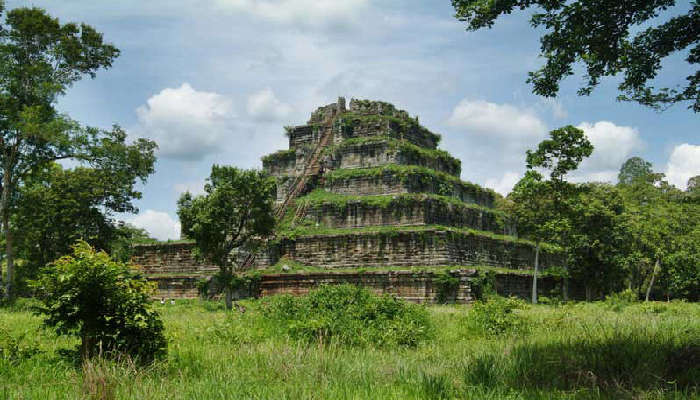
x=495 y=315
x=13 y=350
x=103 y=302
x=618 y=301
x=349 y=315
x=446 y=286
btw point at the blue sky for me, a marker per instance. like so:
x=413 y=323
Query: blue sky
x=215 y=81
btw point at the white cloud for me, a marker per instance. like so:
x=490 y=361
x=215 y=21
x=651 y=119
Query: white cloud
x=498 y=120
x=504 y=184
x=558 y=111
x=265 y=106
x=185 y=123
x=303 y=13
x=158 y=224
x=683 y=164
x=613 y=145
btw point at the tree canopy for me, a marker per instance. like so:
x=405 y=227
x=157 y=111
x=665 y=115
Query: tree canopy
x=610 y=38
x=235 y=211
x=40 y=58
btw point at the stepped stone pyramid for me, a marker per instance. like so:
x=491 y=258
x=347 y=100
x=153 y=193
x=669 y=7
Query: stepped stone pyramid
x=363 y=190
x=366 y=186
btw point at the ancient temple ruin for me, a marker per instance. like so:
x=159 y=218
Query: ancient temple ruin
x=365 y=196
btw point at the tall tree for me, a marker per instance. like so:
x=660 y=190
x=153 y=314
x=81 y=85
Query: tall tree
x=597 y=238
x=40 y=59
x=609 y=38
x=234 y=213
x=531 y=207
x=560 y=154
x=634 y=169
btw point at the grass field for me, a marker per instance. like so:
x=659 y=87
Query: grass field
x=575 y=351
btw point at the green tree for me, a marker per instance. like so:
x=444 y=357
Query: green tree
x=596 y=241
x=40 y=59
x=653 y=219
x=531 y=207
x=683 y=271
x=560 y=154
x=635 y=168
x=694 y=184
x=609 y=38
x=56 y=207
x=103 y=302
x=234 y=214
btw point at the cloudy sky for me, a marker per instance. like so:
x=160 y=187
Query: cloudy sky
x=214 y=81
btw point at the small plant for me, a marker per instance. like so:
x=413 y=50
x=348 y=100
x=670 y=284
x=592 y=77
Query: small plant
x=495 y=316
x=618 y=301
x=446 y=286
x=13 y=350
x=103 y=302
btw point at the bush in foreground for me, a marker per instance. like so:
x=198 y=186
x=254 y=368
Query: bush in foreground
x=103 y=302
x=349 y=315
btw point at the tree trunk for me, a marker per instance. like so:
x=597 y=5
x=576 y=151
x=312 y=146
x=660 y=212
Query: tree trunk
x=229 y=297
x=653 y=277
x=534 y=274
x=565 y=284
x=9 y=250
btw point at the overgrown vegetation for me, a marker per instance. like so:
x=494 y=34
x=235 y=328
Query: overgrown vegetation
x=569 y=351
x=419 y=179
x=348 y=315
x=103 y=303
x=413 y=154
x=397 y=127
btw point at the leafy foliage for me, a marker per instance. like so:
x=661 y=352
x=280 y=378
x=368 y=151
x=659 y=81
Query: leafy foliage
x=633 y=170
x=495 y=316
x=349 y=315
x=446 y=286
x=609 y=38
x=40 y=59
x=59 y=206
x=233 y=214
x=102 y=301
x=13 y=349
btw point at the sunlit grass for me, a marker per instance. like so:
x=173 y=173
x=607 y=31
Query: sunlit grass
x=577 y=351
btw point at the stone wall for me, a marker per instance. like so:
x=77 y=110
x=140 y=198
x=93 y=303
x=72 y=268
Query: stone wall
x=355 y=126
x=417 y=287
x=410 y=248
x=426 y=211
x=359 y=250
x=388 y=184
x=170 y=258
x=409 y=285
x=375 y=154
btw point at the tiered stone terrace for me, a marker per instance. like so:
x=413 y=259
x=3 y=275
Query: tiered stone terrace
x=384 y=197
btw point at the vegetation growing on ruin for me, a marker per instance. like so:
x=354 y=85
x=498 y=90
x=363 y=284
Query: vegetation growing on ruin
x=426 y=232
x=280 y=156
x=414 y=154
x=571 y=351
x=340 y=201
x=419 y=178
x=402 y=126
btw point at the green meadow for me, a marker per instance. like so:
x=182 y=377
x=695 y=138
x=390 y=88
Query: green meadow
x=613 y=350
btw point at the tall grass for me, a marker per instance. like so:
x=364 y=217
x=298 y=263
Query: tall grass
x=577 y=351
